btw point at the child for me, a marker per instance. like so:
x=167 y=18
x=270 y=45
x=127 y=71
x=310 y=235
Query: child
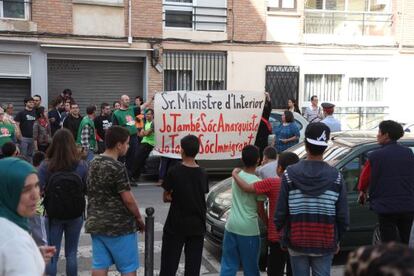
x=270 y=187
x=185 y=187
x=242 y=235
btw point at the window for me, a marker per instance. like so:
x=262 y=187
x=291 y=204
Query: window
x=183 y=19
x=350 y=173
x=350 y=5
x=326 y=87
x=366 y=89
x=16 y=9
x=282 y=4
x=195 y=71
x=200 y=15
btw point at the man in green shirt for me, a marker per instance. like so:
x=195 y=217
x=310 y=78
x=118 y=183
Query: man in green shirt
x=147 y=143
x=241 y=242
x=125 y=116
x=7 y=133
x=86 y=133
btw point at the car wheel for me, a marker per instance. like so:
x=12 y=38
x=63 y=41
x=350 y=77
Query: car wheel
x=376 y=236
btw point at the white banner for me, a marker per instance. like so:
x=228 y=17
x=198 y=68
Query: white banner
x=224 y=121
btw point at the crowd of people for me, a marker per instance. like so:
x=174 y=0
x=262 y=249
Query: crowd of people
x=307 y=213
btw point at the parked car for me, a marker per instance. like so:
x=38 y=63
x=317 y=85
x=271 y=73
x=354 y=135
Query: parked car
x=225 y=166
x=347 y=151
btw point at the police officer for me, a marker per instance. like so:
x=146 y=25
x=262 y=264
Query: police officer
x=333 y=124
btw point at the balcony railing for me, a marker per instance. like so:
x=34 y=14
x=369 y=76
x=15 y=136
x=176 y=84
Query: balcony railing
x=348 y=23
x=15 y=9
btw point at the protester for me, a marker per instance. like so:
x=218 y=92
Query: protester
x=102 y=123
x=313 y=113
x=265 y=128
x=116 y=105
x=147 y=143
x=63 y=178
x=55 y=115
x=125 y=116
x=390 y=259
x=6 y=130
x=269 y=163
x=9 y=149
x=277 y=257
x=185 y=187
x=37 y=223
x=37 y=100
x=138 y=101
x=293 y=106
x=66 y=95
x=19 y=192
x=66 y=110
x=312 y=208
x=42 y=134
x=73 y=120
x=25 y=120
x=329 y=120
x=388 y=178
x=9 y=118
x=86 y=133
x=113 y=214
x=241 y=241
x=287 y=133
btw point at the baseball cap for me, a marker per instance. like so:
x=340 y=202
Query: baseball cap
x=317 y=134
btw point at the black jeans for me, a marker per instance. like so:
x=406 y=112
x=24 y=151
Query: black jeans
x=172 y=245
x=395 y=227
x=277 y=259
x=144 y=150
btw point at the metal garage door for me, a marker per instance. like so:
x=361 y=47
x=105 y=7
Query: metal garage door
x=94 y=82
x=14 y=91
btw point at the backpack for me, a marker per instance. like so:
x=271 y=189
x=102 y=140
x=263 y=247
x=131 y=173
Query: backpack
x=64 y=195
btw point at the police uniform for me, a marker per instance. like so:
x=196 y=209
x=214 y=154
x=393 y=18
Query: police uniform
x=333 y=124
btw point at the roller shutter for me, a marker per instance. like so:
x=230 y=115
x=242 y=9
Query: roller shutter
x=95 y=82
x=14 y=91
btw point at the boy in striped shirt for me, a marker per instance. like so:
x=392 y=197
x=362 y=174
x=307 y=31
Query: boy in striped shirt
x=312 y=207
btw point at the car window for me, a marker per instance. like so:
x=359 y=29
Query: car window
x=276 y=119
x=350 y=172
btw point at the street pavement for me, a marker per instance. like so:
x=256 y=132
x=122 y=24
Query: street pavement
x=150 y=195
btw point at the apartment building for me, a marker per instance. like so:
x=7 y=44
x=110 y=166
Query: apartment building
x=355 y=53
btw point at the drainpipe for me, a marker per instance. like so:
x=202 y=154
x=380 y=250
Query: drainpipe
x=129 y=22
x=400 y=45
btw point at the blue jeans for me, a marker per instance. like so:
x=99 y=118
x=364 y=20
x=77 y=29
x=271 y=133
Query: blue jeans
x=72 y=229
x=321 y=265
x=26 y=147
x=236 y=249
x=90 y=156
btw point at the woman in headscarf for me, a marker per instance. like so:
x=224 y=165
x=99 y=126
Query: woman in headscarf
x=19 y=193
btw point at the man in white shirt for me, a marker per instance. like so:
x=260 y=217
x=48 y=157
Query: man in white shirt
x=313 y=113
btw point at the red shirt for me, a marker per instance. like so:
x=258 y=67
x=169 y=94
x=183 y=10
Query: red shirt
x=271 y=188
x=364 y=177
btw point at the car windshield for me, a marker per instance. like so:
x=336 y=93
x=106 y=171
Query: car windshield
x=333 y=154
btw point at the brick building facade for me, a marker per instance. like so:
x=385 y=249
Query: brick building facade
x=350 y=52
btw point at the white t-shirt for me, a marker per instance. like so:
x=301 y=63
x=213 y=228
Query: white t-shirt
x=19 y=254
x=268 y=170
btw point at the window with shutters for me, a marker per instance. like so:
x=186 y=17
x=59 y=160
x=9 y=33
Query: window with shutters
x=194 y=70
x=15 y=9
x=198 y=15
